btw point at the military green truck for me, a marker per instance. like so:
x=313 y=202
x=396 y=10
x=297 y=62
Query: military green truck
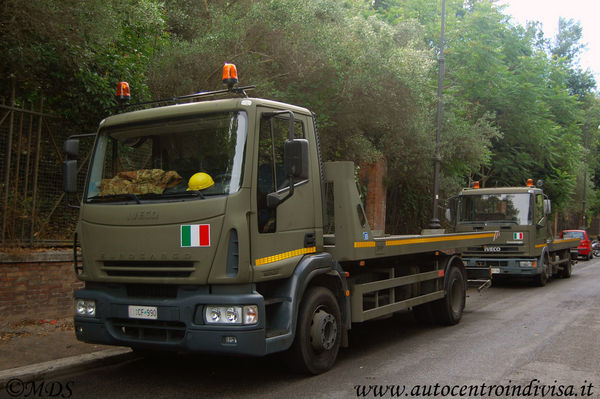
x=213 y=226
x=526 y=246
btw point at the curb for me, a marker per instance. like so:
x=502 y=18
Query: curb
x=59 y=367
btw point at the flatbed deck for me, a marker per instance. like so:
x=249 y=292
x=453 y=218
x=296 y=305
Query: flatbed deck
x=396 y=245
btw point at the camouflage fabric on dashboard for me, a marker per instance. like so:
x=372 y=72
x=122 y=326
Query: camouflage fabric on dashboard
x=142 y=181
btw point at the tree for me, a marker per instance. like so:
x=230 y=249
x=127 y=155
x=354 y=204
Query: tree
x=73 y=53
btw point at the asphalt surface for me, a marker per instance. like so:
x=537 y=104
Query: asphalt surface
x=514 y=337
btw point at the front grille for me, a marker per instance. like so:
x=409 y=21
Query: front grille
x=140 y=268
x=149 y=330
x=151 y=291
x=491 y=263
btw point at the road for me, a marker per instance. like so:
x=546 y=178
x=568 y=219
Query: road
x=514 y=336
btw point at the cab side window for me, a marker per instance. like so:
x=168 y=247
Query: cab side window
x=271 y=177
x=539 y=208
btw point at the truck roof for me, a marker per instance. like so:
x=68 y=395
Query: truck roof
x=500 y=190
x=191 y=108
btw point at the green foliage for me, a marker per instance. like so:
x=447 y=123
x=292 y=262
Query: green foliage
x=516 y=105
x=73 y=53
x=530 y=93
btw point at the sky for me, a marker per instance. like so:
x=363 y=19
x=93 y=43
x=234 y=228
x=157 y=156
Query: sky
x=587 y=12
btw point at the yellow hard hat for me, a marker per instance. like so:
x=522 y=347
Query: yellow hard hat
x=200 y=181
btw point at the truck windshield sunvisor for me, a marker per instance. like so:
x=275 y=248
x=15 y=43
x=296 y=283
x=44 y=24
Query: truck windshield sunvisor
x=156 y=161
x=495 y=208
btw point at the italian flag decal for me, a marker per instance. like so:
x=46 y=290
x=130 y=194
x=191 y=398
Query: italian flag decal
x=195 y=235
x=517 y=236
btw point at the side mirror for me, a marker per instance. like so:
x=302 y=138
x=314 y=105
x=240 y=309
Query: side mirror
x=71 y=150
x=273 y=200
x=448 y=215
x=70 y=176
x=295 y=158
x=547 y=207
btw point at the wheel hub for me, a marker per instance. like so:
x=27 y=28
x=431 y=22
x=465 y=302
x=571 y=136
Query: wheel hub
x=323 y=331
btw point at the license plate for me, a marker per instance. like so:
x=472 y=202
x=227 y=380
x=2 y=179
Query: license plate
x=495 y=270
x=143 y=312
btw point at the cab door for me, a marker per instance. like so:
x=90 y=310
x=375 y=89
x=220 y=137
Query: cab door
x=280 y=235
x=540 y=223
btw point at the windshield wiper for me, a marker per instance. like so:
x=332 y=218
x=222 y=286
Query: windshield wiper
x=115 y=197
x=191 y=193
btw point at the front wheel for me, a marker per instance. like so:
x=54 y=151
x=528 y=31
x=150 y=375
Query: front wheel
x=318 y=332
x=542 y=278
x=448 y=310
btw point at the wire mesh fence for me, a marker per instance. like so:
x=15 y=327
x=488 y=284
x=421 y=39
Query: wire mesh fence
x=33 y=207
x=32 y=203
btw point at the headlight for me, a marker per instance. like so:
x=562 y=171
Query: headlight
x=222 y=314
x=85 y=307
x=526 y=263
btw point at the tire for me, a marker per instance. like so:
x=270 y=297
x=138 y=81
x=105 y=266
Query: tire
x=318 y=332
x=448 y=310
x=596 y=253
x=566 y=270
x=542 y=279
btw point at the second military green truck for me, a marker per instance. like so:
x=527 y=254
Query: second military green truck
x=526 y=246
x=214 y=226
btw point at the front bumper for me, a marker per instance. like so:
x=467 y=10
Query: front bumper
x=179 y=325
x=500 y=267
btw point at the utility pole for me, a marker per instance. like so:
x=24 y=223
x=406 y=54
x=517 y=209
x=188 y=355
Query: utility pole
x=585 y=165
x=435 y=221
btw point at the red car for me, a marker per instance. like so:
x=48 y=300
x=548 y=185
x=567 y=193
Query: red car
x=585 y=246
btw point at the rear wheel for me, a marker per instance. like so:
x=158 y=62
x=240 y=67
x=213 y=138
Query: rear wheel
x=542 y=278
x=566 y=271
x=567 y=267
x=448 y=310
x=318 y=332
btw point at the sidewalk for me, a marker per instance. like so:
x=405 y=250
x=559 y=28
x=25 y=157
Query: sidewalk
x=32 y=348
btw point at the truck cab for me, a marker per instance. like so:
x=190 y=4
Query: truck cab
x=525 y=247
x=201 y=229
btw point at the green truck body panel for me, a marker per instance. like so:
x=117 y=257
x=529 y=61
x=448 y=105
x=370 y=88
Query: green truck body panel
x=153 y=289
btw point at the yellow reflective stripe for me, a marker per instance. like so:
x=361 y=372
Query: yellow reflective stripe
x=541 y=245
x=285 y=255
x=561 y=240
x=371 y=244
x=437 y=239
x=364 y=244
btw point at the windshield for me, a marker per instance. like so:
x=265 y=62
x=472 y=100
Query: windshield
x=573 y=234
x=513 y=208
x=184 y=158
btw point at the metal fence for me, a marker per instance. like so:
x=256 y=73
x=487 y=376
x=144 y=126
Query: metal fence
x=32 y=206
x=33 y=209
